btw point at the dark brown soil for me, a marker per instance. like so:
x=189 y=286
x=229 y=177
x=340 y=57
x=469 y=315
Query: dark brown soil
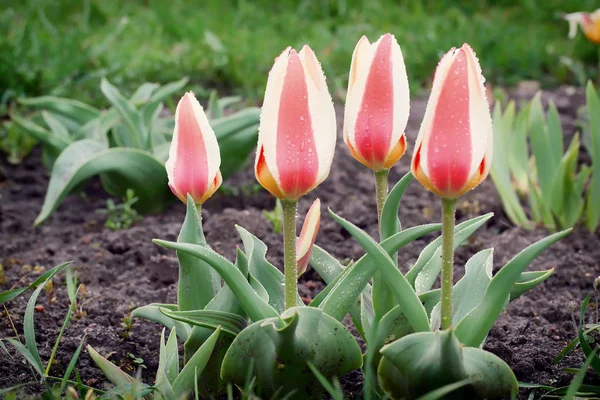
x=123 y=269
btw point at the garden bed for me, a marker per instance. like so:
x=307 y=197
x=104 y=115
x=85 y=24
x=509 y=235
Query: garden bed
x=123 y=269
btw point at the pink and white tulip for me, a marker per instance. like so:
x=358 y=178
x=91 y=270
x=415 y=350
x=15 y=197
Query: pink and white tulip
x=453 y=152
x=194 y=158
x=307 y=237
x=589 y=23
x=377 y=103
x=297 y=133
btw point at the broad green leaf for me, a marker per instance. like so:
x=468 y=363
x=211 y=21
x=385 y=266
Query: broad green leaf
x=390 y=224
x=168 y=364
x=86 y=158
x=470 y=289
x=131 y=116
x=214 y=109
x=198 y=282
x=555 y=133
x=230 y=323
x=69 y=108
x=429 y=264
x=270 y=277
x=592 y=213
x=474 y=327
x=519 y=152
x=444 y=391
x=527 y=281
x=338 y=297
x=256 y=308
x=152 y=312
x=113 y=373
x=403 y=293
x=158 y=96
x=57 y=143
x=492 y=377
x=278 y=351
x=41 y=280
x=57 y=127
x=185 y=381
x=143 y=92
x=31 y=359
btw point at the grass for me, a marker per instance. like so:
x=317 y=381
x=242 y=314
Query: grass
x=61 y=48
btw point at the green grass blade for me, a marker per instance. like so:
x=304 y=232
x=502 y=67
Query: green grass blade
x=31 y=359
x=113 y=373
x=11 y=294
x=442 y=392
x=71 y=366
x=578 y=379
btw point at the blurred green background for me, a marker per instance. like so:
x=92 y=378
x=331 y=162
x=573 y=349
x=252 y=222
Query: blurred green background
x=63 y=47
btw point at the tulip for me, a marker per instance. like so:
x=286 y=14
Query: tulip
x=307 y=237
x=296 y=141
x=589 y=22
x=297 y=130
x=377 y=103
x=194 y=158
x=453 y=152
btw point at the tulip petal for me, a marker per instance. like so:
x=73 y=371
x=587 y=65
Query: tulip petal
x=194 y=157
x=305 y=243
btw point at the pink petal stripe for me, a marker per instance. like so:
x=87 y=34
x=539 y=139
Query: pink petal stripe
x=449 y=146
x=297 y=160
x=375 y=120
x=190 y=171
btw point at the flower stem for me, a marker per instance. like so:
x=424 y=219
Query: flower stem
x=381 y=189
x=448 y=210
x=290 y=267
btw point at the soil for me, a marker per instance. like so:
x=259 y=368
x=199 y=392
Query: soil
x=123 y=269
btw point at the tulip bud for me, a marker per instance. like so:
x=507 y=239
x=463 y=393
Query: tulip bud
x=305 y=243
x=297 y=130
x=377 y=103
x=589 y=22
x=194 y=158
x=453 y=152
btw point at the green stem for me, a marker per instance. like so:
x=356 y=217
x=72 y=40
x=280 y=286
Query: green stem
x=381 y=190
x=290 y=267
x=448 y=209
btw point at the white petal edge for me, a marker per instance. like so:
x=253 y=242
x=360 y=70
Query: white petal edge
x=401 y=94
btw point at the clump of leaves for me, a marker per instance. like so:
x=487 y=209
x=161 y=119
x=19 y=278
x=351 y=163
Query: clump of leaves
x=123 y=215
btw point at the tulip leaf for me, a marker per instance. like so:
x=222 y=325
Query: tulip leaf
x=198 y=282
x=337 y=298
x=269 y=277
x=401 y=290
x=86 y=158
x=422 y=362
x=390 y=224
x=423 y=273
x=113 y=373
x=54 y=142
x=152 y=312
x=279 y=349
x=185 y=381
x=168 y=364
x=230 y=323
x=470 y=289
x=73 y=109
x=527 y=281
x=256 y=308
x=41 y=280
x=474 y=327
x=592 y=213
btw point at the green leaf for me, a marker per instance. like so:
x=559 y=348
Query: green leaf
x=185 y=381
x=592 y=213
x=158 y=96
x=578 y=379
x=56 y=126
x=71 y=366
x=86 y=158
x=41 y=280
x=390 y=224
x=335 y=392
x=214 y=109
x=130 y=115
x=57 y=143
x=31 y=359
x=403 y=293
x=441 y=393
x=143 y=92
x=474 y=327
x=152 y=312
x=256 y=308
x=270 y=277
x=337 y=298
x=527 y=281
x=168 y=364
x=111 y=371
x=230 y=323
x=69 y=108
x=278 y=350
x=198 y=282
x=492 y=377
x=423 y=274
